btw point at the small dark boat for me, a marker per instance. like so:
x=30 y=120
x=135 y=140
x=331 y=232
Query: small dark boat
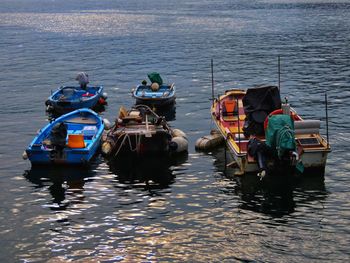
x=139 y=132
x=73 y=138
x=157 y=94
x=70 y=98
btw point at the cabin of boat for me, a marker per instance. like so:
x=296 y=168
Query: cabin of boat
x=242 y=118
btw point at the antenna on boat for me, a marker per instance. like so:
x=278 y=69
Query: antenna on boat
x=326 y=103
x=279 y=73
x=239 y=127
x=225 y=148
x=212 y=80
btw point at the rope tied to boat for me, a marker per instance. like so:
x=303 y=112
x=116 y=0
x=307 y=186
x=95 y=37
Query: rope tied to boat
x=127 y=137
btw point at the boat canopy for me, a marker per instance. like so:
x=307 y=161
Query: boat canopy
x=258 y=103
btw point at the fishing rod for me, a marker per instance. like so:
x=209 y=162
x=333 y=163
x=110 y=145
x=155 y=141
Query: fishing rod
x=326 y=104
x=239 y=127
x=279 y=74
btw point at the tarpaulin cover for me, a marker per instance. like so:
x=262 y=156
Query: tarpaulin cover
x=280 y=134
x=258 y=103
x=155 y=77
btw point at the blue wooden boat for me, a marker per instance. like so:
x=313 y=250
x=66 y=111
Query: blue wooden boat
x=73 y=138
x=164 y=96
x=157 y=94
x=70 y=98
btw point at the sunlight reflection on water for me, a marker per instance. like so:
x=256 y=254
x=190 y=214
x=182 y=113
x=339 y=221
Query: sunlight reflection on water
x=198 y=211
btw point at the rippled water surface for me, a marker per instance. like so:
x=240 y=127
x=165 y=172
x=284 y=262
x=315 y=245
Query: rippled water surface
x=193 y=210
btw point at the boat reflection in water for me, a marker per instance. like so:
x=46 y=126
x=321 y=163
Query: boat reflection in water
x=168 y=112
x=275 y=195
x=61 y=183
x=153 y=172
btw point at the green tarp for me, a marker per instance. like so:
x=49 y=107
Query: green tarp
x=280 y=134
x=155 y=77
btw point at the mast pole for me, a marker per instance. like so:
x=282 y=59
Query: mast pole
x=279 y=73
x=212 y=80
x=239 y=128
x=326 y=103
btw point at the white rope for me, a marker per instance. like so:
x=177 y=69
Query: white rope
x=122 y=143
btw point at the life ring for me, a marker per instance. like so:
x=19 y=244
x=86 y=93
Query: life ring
x=294 y=116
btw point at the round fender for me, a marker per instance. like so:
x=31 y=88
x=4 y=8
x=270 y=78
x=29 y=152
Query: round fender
x=179 y=144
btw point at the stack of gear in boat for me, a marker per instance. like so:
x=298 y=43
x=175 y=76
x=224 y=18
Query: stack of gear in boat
x=279 y=147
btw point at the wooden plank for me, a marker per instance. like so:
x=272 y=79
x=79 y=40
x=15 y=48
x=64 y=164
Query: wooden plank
x=83 y=120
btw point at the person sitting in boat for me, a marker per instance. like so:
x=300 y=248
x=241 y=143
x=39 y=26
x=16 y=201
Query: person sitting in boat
x=83 y=79
x=229 y=106
x=144 y=82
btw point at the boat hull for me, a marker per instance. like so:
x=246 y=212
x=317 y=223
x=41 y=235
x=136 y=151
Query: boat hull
x=69 y=157
x=167 y=102
x=156 y=144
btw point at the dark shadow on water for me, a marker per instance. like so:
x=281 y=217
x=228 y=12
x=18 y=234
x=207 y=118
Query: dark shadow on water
x=98 y=108
x=276 y=195
x=152 y=171
x=169 y=112
x=59 y=180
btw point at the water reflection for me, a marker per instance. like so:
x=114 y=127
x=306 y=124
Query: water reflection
x=61 y=182
x=98 y=108
x=169 y=112
x=154 y=171
x=276 y=195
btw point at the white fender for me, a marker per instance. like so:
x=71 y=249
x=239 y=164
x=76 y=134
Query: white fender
x=181 y=143
x=107 y=124
x=104 y=95
x=178 y=133
x=209 y=141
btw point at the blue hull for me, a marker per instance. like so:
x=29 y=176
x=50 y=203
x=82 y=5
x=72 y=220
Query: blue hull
x=70 y=157
x=165 y=96
x=84 y=122
x=67 y=98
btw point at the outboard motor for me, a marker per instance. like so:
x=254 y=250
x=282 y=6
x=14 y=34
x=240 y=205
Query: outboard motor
x=58 y=139
x=260 y=152
x=83 y=79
